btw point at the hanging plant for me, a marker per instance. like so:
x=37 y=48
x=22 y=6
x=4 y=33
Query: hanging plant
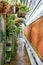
x=22 y=11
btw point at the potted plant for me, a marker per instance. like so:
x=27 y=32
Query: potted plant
x=22 y=11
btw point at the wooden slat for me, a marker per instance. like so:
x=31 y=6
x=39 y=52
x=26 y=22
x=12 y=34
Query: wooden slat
x=36 y=35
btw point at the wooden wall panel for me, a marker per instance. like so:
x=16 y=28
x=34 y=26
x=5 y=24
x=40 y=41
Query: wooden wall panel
x=35 y=35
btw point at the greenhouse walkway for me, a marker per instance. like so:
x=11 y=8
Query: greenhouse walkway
x=21 y=57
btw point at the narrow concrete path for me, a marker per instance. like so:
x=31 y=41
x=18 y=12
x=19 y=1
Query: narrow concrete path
x=21 y=57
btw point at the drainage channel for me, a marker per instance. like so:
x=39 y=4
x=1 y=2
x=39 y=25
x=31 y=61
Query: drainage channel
x=34 y=59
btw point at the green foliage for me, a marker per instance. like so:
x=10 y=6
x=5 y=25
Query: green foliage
x=17 y=30
x=10 y=24
x=3 y=35
x=23 y=8
x=8 y=54
x=10 y=27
